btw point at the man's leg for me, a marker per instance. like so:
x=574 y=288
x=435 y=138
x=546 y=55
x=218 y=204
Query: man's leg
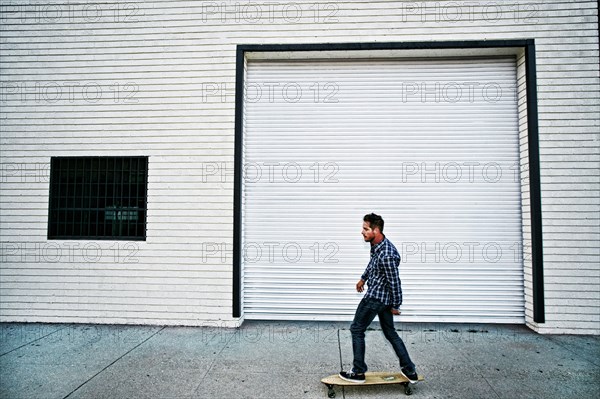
x=365 y=313
x=386 y=319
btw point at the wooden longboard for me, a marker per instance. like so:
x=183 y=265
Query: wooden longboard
x=371 y=378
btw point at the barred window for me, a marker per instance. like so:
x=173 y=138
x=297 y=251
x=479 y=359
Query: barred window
x=98 y=198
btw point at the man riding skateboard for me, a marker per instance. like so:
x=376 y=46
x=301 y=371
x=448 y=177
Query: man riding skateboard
x=383 y=299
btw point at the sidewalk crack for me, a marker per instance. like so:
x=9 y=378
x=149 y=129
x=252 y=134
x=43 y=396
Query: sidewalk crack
x=115 y=361
x=31 y=342
x=341 y=361
x=481 y=375
x=212 y=364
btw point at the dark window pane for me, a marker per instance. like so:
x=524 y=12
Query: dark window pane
x=98 y=197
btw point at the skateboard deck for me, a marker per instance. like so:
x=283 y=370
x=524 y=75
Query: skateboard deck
x=371 y=378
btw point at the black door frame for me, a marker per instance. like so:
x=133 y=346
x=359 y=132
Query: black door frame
x=528 y=45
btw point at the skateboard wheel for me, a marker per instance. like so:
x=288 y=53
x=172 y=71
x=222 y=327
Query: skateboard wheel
x=408 y=390
x=330 y=391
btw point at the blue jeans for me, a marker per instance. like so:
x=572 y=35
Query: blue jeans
x=365 y=313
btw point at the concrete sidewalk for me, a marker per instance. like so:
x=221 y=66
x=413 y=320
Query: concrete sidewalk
x=287 y=360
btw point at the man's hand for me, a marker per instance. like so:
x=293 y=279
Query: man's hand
x=395 y=312
x=360 y=286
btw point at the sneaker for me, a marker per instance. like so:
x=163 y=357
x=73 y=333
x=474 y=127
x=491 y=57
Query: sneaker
x=413 y=378
x=357 y=378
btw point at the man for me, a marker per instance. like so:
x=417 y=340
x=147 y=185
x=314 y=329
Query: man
x=383 y=299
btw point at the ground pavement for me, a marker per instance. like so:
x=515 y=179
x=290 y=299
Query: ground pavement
x=287 y=360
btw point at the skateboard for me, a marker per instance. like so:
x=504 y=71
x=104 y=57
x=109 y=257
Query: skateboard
x=371 y=378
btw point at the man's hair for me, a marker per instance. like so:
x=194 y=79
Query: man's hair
x=374 y=221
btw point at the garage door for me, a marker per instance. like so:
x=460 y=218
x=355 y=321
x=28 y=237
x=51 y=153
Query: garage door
x=430 y=144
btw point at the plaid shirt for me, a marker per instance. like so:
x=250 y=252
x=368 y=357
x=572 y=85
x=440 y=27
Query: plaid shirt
x=382 y=274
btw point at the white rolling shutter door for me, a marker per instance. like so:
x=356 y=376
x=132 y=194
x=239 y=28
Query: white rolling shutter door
x=430 y=144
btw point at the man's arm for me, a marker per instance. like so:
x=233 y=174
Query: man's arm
x=390 y=268
x=363 y=279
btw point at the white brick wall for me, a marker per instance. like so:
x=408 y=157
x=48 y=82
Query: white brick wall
x=157 y=79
